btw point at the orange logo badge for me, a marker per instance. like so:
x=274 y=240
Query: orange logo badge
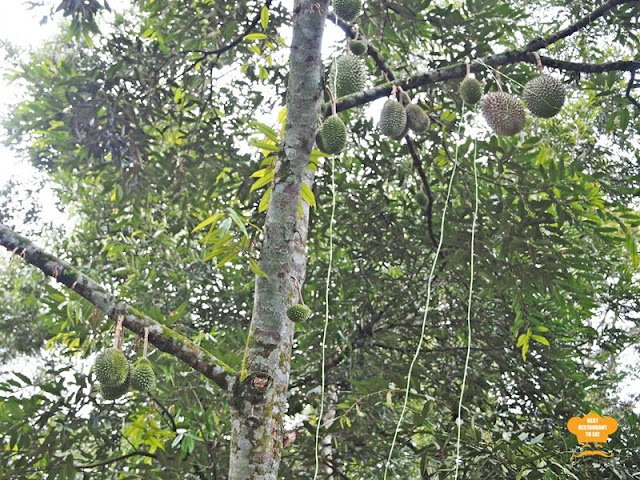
x=592 y=429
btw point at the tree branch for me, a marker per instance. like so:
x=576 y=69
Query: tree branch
x=458 y=70
x=631 y=85
x=573 y=28
x=427 y=189
x=117 y=459
x=161 y=336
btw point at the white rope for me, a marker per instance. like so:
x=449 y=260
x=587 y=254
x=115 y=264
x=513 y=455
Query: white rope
x=427 y=304
x=471 y=276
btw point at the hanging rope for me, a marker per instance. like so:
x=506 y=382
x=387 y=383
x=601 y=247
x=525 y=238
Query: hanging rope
x=427 y=304
x=471 y=277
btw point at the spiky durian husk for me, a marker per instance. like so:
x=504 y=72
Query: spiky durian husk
x=142 y=376
x=471 y=90
x=351 y=75
x=503 y=112
x=333 y=135
x=393 y=119
x=417 y=119
x=298 y=313
x=111 y=367
x=347 y=10
x=358 y=47
x=544 y=96
x=112 y=392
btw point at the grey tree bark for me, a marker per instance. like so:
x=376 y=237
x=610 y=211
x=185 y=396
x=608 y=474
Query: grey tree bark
x=259 y=402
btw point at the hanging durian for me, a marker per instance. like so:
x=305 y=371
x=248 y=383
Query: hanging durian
x=393 y=119
x=470 y=90
x=142 y=376
x=111 y=367
x=544 y=96
x=333 y=135
x=503 y=112
x=417 y=119
x=347 y=10
x=358 y=47
x=298 y=312
x=351 y=75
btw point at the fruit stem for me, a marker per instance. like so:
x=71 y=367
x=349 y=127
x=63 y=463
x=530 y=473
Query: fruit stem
x=145 y=347
x=119 y=334
x=468 y=63
x=538 y=62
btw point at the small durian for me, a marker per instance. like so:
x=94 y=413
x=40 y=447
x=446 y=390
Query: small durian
x=393 y=119
x=333 y=135
x=544 y=96
x=347 y=10
x=358 y=47
x=351 y=75
x=111 y=367
x=503 y=112
x=421 y=198
x=112 y=392
x=417 y=120
x=298 y=312
x=470 y=90
x=142 y=376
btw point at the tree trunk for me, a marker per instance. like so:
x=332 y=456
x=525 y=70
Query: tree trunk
x=259 y=401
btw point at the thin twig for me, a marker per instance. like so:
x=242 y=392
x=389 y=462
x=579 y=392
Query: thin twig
x=117 y=459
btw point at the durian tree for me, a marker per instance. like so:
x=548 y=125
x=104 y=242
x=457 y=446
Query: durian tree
x=206 y=219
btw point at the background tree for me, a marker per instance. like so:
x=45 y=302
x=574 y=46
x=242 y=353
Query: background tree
x=161 y=122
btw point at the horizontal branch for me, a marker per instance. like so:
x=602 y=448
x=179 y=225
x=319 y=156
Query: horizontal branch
x=160 y=336
x=458 y=71
x=117 y=459
x=573 y=28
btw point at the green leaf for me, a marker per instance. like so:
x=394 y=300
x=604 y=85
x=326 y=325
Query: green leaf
x=208 y=221
x=307 y=195
x=540 y=339
x=266 y=130
x=522 y=339
x=264 y=145
x=263 y=181
x=239 y=221
x=256 y=36
x=264 y=201
x=264 y=17
x=255 y=268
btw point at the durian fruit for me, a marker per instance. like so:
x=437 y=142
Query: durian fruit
x=403 y=134
x=544 y=96
x=298 y=312
x=417 y=120
x=347 y=10
x=358 y=47
x=111 y=367
x=421 y=198
x=319 y=143
x=503 y=112
x=142 y=376
x=393 y=119
x=333 y=135
x=112 y=392
x=470 y=90
x=351 y=76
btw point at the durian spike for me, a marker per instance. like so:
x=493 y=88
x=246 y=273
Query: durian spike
x=145 y=347
x=538 y=62
x=119 y=334
x=468 y=64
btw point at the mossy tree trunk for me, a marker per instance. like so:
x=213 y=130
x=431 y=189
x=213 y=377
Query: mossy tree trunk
x=259 y=401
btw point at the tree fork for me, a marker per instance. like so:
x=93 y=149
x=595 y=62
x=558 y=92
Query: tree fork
x=260 y=401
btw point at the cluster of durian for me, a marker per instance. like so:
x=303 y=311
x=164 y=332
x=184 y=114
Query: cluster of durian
x=116 y=375
x=544 y=96
x=399 y=116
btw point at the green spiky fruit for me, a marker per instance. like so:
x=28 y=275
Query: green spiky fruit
x=333 y=135
x=298 y=312
x=112 y=392
x=319 y=143
x=351 y=75
x=358 y=47
x=347 y=10
x=544 y=96
x=503 y=112
x=403 y=134
x=111 y=367
x=142 y=376
x=471 y=90
x=417 y=120
x=422 y=198
x=393 y=119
